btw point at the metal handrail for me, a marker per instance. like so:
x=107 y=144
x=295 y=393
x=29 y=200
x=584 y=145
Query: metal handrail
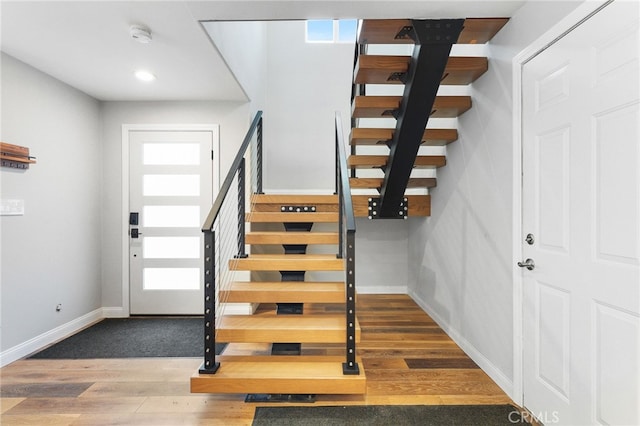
x=210 y=365
x=226 y=185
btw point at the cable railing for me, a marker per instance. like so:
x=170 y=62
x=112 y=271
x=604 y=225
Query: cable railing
x=224 y=234
x=346 y=247
x=224 y=239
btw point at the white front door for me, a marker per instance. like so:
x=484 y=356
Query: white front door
x=170 y=193
x=581 y=205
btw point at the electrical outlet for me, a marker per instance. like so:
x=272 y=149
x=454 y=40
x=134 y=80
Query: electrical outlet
x=58 y=307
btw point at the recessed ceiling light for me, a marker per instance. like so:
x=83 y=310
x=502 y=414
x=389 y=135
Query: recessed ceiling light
x=144 y=75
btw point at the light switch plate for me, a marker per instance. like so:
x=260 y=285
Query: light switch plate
x=11 y=207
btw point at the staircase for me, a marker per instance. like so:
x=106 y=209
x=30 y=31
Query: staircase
x=299 y=272
x=398 y=122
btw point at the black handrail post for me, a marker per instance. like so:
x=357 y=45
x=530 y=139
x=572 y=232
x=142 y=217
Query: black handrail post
x=347 y=233
x=241 y=204
x=351 y=366
x=259 y=157
x=209 y=366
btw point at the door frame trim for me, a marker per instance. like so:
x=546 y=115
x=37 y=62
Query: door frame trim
x=574 y=19
x=126 y=128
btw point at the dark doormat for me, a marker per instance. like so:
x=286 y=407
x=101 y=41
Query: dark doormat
x=396 y=415
x=134 y=338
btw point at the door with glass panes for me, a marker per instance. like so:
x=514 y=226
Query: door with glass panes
x=171 y=183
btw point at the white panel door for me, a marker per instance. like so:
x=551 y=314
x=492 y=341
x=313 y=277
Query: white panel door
x=170 y=192
x=581 y=205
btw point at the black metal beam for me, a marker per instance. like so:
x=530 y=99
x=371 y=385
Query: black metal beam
x=433 y=39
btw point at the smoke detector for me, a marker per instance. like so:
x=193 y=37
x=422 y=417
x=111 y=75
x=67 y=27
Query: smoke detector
x=140 y=34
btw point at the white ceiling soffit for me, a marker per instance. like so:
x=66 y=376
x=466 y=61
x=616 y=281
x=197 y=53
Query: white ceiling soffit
x=373 y=9
x=87 y=45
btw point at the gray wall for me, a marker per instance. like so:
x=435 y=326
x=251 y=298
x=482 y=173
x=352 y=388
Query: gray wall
x=306 y=84
x=233 y=118
x=51 y=254
x=461 y=257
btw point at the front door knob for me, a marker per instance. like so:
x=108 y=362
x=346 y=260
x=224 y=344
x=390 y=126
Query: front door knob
x=529 y=264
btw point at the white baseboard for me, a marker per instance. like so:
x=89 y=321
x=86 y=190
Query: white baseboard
x=487 y=366
x=363 y=289
x=115 y=312
x=240 y=308
x=45 y=339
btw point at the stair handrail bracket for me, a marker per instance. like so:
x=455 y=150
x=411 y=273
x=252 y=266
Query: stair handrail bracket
x=224 y=232
x=346 y=247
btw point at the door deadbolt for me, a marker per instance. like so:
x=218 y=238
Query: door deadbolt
x=529 y=264
x=529 y=239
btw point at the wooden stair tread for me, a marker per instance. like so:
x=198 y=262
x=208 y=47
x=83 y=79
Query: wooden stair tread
x=383 y=31
x=284 y=237
x=377 y=182
x=378 y=69
x=283 y=328
x=298 y=375
x=383 y=106
x=419 y=205
x=281 y=217
x=378 y=136
x=373 y=161
x=287 y=262
x=284 y=292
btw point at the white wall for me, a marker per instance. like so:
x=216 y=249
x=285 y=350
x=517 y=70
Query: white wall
x=233 y=118
x=243 y=45
x=306 y=84
x=52 y=253
x=461 y=257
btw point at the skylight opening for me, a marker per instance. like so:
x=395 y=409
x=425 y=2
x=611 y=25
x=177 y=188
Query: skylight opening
x=331 y=30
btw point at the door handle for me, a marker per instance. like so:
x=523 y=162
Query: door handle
x=529 y=264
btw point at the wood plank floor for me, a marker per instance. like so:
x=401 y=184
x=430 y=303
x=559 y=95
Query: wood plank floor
x=407 y=357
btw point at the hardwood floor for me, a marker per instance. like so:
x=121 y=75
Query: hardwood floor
x=408 y=360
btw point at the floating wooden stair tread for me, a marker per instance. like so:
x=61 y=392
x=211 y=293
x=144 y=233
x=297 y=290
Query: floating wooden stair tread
x=384 y=31
x=381 y=69
x=288 y=262
x=378 y=136
x=292 y=238
x=284 y=292
x=384 y=106
x=293 y=199
x=283 y=375
x=419 y=205
x=283 y=328
x=375 y=183
x=280 y=217
x=374 y=161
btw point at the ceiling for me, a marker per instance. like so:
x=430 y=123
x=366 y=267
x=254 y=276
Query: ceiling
x=87 y=45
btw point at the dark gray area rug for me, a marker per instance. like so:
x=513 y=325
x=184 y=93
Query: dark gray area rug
x=181 y=337
x=396 y=415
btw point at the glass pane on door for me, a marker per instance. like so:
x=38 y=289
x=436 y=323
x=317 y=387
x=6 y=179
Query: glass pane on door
x=169 y=185
x=171 y=278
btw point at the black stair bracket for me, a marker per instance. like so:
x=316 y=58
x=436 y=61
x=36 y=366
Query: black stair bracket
x=433 y=39
x=401 y=213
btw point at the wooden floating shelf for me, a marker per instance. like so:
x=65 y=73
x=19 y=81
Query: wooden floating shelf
x=14 y=156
